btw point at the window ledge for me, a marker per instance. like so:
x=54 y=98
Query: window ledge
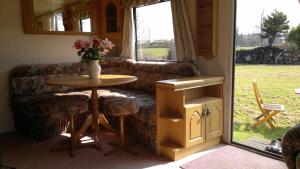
x=156 y=62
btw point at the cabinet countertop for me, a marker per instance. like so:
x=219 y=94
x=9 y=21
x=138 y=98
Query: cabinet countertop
x=190 y=82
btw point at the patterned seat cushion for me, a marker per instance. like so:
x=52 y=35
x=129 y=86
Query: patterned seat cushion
x=51 y=106
x=144 y=101
x=118 y=105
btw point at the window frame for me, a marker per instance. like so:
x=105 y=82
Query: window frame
x=135 y=34
x=233 y=80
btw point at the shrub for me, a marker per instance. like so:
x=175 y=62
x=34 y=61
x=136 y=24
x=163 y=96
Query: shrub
x=294 y=36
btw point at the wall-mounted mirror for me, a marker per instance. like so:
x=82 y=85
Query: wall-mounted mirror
x=57 y=16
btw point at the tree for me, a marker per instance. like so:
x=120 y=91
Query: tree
x=261 y=26
x=274 y=25
x=294 y=36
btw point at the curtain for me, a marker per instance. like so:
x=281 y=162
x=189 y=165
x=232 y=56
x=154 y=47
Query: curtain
x=78 y=16
x=52 y=23
x=185 y=44
x=139 y=3
x=128 y=47
x=128 y=43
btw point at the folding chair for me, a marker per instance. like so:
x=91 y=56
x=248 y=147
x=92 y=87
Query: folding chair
x=268 y=111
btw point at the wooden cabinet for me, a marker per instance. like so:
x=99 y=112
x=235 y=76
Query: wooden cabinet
x=110 y=19
x=207 y=28
x=189 y=115
x=108 y=22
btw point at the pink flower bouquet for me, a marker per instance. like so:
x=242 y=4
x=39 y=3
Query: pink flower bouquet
x=92 y=49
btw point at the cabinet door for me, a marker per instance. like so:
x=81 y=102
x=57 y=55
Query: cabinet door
x=214 y=119
x=111 y=19
x=195 y=126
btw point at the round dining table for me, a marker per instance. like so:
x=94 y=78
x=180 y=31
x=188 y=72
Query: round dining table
x=95 y=118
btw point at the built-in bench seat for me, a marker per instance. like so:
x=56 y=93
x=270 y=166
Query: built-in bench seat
x=46 y=117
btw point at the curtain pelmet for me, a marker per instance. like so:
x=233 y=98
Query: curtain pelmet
x=139 y=3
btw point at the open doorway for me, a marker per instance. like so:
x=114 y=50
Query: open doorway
x=268 y=52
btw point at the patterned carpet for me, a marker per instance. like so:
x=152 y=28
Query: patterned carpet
x=229 y=157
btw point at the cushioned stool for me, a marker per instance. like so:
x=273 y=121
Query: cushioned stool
x=121 y=107
x=69 y=106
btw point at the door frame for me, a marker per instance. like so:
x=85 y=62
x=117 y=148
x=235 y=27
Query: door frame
x=251 y=149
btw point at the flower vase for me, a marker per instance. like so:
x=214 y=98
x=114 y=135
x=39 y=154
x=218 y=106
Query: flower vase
x=93 y=69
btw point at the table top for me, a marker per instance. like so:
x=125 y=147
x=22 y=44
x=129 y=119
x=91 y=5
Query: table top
x=85 y=81
x=297 y=91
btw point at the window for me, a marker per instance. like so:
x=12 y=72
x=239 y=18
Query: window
x=59 y=26
x=154 y=33
x=85 y=25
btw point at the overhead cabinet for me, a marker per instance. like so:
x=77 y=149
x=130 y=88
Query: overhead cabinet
x=207 y=28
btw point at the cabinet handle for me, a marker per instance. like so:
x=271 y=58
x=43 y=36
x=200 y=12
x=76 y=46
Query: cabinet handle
x=208 y=113
x=203 y=112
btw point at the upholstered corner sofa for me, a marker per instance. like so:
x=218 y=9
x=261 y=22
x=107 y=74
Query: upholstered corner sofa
x=291 y=147
x=41 y=110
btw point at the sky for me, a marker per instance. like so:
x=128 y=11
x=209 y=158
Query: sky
x=156 y=21
x=158 y=25
x=249 y=13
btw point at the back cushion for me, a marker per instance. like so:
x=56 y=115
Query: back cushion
x=147 y=81
x=148 y=73
x=30 y=80
x=27 y=86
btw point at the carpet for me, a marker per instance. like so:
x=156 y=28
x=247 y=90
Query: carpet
x=229 y=157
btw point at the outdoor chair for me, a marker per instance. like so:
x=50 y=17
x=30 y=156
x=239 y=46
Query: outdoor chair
x=268 y=111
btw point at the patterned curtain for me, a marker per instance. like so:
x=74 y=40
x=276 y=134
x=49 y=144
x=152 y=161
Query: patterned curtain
x=185 y=44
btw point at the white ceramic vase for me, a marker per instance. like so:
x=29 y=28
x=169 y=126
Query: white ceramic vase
x=93 y=69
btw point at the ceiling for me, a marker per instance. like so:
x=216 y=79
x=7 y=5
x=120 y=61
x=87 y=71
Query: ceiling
x=44 y=6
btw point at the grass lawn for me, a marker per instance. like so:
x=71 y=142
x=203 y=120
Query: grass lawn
x=277 y=84
x=154 y=52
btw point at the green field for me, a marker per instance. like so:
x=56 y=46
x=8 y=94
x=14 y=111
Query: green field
x=277 y=84
x=154 y=52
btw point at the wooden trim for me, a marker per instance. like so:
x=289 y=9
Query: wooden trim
x=60 y=33
x=28 y=20
x=27 y=14
x=207 y=28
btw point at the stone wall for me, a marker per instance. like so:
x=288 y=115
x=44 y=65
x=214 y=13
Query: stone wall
x=267 y=55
